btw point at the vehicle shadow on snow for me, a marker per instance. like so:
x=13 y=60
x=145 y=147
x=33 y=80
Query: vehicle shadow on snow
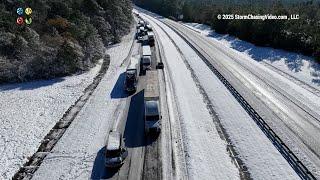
x=99 y=171
x=118 y=91
x=134 y=128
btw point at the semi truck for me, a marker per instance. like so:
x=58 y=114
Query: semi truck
x=132 y=75
x=152 y=110
x=146 y=58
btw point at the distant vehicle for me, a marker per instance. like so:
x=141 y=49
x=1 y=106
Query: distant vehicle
x=141 y=23
x=148 y=27
x=137 y=14
x=132 y=75
x=141 y=34
x=146 y=58
x=151 y=38
x=152 y=104
x=115 y=152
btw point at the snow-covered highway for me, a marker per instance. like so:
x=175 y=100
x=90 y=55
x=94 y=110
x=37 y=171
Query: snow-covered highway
x=290 y=109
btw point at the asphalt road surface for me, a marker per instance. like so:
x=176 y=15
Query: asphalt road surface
x=144 y=153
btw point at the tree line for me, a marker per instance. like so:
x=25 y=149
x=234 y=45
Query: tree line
x=65 y=37
x=302 y=35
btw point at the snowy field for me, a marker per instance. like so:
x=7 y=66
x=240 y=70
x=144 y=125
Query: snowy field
x=29 y=110
x=290 y=64
x=299 y=121
x=78 y=154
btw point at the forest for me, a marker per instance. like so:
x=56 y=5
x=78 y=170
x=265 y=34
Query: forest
x=302 y=35
x=65 y=37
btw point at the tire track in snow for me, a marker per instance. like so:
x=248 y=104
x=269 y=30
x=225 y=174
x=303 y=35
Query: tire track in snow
x=178 y=162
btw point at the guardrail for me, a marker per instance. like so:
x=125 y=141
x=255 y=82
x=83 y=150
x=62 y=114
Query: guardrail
x=292 y=159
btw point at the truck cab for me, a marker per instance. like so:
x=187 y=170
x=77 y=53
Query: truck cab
x=116 y=153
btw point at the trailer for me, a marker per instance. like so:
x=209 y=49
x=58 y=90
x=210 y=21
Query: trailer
x=150 y=38
x=146 y=58
x=132 y=75
x=152 y=117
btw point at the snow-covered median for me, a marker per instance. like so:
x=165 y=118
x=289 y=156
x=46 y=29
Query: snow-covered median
x=29 y=110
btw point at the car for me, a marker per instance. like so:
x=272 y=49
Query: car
x=152 y=117
x=116 y=153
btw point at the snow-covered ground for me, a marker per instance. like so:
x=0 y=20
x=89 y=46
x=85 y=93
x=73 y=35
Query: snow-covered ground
x=255 y=150
x=77 y=154
x=29 y=110
x=296 y=105
x=301 y=67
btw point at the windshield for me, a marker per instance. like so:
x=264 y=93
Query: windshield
x=152 y=118
x=146 y=61
x=112 y=153
x=130 y=81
